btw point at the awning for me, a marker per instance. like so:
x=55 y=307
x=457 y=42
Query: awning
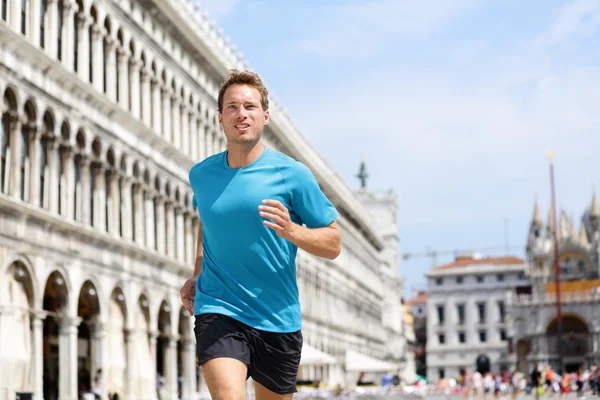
x=313 y=356
x=359 y=362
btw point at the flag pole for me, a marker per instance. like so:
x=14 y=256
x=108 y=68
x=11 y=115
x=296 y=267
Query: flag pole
x=556 y=267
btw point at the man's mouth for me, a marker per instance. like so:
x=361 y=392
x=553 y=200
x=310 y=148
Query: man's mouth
x=242 y=127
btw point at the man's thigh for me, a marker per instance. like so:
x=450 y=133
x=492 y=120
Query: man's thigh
x=225 y=378
x=262 y=393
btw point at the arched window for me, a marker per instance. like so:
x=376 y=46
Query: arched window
x=43 y=15
x=105 y=50
x=108 y=190
x=120 y=199
x=62 y=160
x=61 y=8
x=76 y=35
x=4 y=146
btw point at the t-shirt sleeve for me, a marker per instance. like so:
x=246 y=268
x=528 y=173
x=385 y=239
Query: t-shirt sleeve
x=308 y=200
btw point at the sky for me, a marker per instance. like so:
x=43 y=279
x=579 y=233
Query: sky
x=453 y=104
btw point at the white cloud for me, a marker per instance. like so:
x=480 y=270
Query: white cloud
x=576 y=19
x=360 y=28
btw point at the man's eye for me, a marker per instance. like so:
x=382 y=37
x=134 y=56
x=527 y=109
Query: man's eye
x=231 y=107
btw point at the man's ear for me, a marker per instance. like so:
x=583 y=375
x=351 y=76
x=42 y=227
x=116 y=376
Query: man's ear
x=220 y=118
x=267 y=117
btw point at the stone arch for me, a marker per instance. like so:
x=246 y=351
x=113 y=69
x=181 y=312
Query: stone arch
x=65 y=131
x=571 y=322
x=81 y=7
x=17 y=296
x=157 y=184
x=108 y=26
x=110 y=157
x=97 y=149
x=30 y=112
x=21 y=270
x=11 y=99
x=121 y=39
x=168 y=190
x=94 y=14
x=187 y=200
x=147 y=178
x=80 y=140
x=49 y=123
x=136 y=171
x=123 y=164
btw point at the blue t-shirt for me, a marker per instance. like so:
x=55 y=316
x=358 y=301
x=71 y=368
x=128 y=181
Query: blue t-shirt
x=248 y=272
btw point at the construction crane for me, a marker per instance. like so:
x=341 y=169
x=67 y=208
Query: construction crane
x=434 y=254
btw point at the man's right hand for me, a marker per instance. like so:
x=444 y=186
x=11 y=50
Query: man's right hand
x=188 y=294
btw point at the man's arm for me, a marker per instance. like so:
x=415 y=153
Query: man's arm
x=188 y=291
x=322 y=242
x=199 y=252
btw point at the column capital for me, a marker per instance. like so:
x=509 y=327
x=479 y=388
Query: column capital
x=123 y=53
x=13 y=117
x=38 y=314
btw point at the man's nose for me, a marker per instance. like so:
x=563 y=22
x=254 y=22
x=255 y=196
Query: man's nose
x=241 y=112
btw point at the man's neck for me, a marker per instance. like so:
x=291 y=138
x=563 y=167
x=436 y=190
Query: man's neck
x=242 y=156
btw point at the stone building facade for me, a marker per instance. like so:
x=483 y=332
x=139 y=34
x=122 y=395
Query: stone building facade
x=533 y=324
x=467 y=314
x=106 y=106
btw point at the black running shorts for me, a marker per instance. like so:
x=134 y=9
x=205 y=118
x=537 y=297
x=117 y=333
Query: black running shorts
x=272 y=358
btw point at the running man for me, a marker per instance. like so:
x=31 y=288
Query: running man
x=257 y=207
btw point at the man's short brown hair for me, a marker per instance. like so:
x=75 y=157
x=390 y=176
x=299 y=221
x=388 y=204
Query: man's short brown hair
x=251 y=79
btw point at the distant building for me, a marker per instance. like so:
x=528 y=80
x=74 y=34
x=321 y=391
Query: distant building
x=533 y=327
x=418 y=309
x=396 y=320
x=466 y=308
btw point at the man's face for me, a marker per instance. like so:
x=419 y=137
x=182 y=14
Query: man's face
x=243 y=118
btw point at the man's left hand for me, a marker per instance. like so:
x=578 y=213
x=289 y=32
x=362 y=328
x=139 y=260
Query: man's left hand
x=279 y=217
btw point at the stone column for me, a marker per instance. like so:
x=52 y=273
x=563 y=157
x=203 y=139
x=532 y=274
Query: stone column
x=216 y=142
x=68 y=39
x=68 y=202
x=111 y=69
x=126 y=208
x=145 y=96
x=188 y=363
x=83 y=43
x=51 y=34
x=156 y=106
x=99 y=197
x=181 y=235
x=98 y=33
x=193 y=151
x=209 y=142
x=82 y=192
x=169 y=228
x=114 y=205
x=68 y=358
x=99 y=352
x=201 y=142
x=14 y=15
x=123 y=79
x=53 y=175
x=176 y=131
x=153 y=336
x=150 y=222
x=35 y=7
x=189 y=239
x=166 y=114
x=185 y=131
x=134 y=75
x=160 y=225
x=14 y=172
x=37 y=322
x=139 y=213
x=171 y=368
x=34 y=169
x=131 y=366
